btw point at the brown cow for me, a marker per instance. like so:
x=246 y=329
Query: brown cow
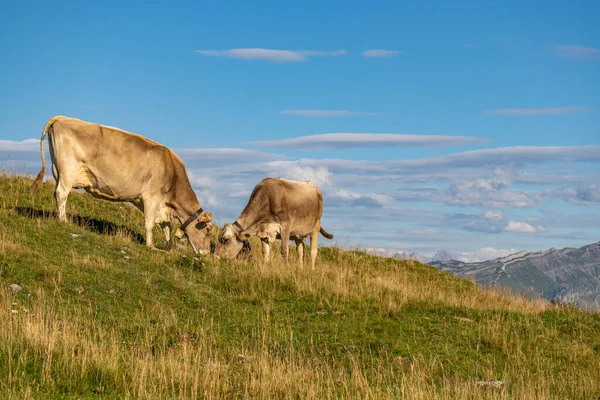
x=115 y=165
x=278 y=208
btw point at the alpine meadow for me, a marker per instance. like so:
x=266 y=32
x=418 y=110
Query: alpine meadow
x=88 y=311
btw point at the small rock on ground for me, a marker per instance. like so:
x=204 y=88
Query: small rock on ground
x=15 y=288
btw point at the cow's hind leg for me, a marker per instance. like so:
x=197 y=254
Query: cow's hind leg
x=64 y=171
x=64 y=184
x=166 y=226
x=61 y=195
x=300 y=251
x=314 y=239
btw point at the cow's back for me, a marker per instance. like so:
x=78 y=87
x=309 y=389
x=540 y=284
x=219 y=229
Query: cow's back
x=96 y=140
x=299 y=202
x=114 y=164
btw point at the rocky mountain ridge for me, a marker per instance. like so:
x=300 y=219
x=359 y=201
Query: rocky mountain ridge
x=570 y=274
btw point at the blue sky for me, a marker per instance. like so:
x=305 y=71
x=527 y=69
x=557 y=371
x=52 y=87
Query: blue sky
x=241 y=89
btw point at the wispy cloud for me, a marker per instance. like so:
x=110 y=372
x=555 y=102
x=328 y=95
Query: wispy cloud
x=379 y=53
x=224 y=156
x=538 y=111
x=327 y=113
x=272 y=55
x=448 y=166
x=348 y=140
x=576 y=52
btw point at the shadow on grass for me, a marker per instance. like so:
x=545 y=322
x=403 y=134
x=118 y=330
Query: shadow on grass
x=92 y=224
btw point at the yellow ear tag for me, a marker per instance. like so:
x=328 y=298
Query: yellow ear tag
x=179 y=233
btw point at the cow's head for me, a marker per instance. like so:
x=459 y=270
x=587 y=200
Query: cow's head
x=198 y=232
x=231 y=241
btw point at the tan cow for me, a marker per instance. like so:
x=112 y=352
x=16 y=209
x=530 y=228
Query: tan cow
x=277 y=209
x=115 y=165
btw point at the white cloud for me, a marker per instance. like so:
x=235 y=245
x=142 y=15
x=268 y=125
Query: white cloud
x=327 y=113
x=538 y=111
x=207 y=197
x=201 y=180
x=484 y=254
x=522 y=227
x=576 y=52
x=25 y=145
x=334 y=195
x=273 y=55
x=492 y=191
x=379 y=53
x=342 y=197
x=347 y=140
x=320 y=176
x=490 y=253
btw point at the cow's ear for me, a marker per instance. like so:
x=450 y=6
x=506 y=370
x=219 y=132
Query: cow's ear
x=206 y=216
x=243 y=236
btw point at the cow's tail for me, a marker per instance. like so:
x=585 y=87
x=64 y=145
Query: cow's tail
x=40 y=176
x=325 y=233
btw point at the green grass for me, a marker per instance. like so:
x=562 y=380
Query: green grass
x=102 y=316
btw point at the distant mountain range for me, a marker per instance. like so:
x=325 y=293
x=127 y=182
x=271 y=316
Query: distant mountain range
x=571 y=274
x=441 y=255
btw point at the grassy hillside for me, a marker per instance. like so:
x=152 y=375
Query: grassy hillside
x=100 y=315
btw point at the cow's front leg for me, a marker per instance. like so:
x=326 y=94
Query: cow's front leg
x=149 y=238
x=166 y=226
x=285 y=243
x=266 y=249
x=150 y=217
x=300 y=251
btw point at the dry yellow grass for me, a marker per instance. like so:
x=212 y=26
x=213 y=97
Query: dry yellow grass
x=351 y=276
x=7 y=245
x=73 y=346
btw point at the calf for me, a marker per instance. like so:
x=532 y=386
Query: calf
x=277 y=209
